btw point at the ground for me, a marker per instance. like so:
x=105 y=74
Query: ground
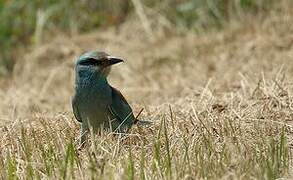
x=221 y=103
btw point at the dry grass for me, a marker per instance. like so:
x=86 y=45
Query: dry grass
x=221 y=103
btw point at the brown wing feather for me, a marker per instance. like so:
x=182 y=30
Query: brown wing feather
x=121 y=106
x=75 y=109
x=119 y=94
x=116 y=91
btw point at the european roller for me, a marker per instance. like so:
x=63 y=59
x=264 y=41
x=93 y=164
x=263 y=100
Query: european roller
x=96 y=104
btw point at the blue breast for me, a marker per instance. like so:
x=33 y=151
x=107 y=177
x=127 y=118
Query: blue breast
x=94 y=95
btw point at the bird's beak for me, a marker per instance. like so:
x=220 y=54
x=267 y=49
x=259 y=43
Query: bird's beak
x=113 y=60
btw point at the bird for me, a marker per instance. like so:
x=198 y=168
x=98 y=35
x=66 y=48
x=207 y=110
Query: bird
x=96 y=104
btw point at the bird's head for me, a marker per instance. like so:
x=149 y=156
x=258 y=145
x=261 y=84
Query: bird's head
x=97 y=61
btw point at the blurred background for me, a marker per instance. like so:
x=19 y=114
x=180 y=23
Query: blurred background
x=30 y=23
x=173 y=48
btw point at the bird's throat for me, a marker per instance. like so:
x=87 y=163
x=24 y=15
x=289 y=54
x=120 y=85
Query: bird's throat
x=90 y=78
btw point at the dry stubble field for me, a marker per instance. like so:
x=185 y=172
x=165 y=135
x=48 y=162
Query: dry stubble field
x=221 y=103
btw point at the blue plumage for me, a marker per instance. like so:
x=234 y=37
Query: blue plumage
x=96 y=104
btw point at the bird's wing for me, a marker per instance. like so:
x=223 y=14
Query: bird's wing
x=120 y=108
x=75 y=109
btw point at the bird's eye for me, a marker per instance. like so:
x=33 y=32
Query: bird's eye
x=91 y=62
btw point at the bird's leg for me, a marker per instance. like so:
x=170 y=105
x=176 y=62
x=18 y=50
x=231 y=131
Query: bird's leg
x=83 y=133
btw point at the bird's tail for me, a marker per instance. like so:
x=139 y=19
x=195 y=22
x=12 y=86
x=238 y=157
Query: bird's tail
x=142 y=122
